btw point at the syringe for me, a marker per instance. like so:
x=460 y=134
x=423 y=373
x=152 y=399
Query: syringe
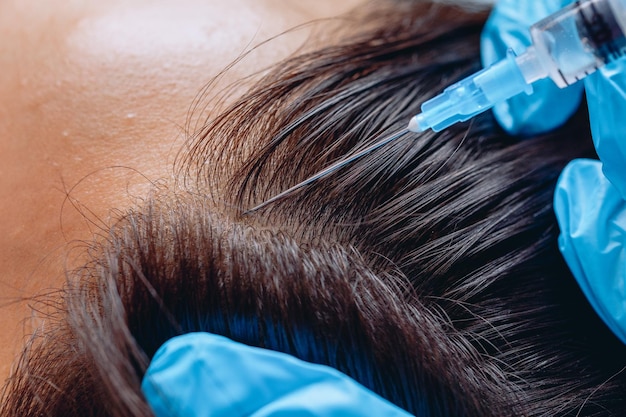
x=566 y=46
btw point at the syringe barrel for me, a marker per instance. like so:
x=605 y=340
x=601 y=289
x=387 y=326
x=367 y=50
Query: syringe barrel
x=580 y=38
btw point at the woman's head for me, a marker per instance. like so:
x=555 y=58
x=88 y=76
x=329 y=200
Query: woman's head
x=428 y=271
x=94 y=103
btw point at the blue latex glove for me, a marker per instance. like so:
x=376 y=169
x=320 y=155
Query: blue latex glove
x=549 y=106
x=592 y=219
x=590 y=197
x=202 y=375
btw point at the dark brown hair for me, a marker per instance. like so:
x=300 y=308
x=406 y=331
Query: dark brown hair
x=428 y=271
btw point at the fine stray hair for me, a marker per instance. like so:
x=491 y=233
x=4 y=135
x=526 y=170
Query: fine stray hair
x=428 y=271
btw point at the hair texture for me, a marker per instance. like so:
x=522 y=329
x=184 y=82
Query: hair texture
x=428 y=270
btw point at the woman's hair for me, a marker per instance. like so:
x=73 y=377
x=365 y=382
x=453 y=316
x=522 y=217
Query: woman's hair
x=428 y=270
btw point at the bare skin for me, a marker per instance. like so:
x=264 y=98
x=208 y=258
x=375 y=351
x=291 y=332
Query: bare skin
x=93 y=100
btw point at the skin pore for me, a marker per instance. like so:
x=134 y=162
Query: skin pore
x=94 y=101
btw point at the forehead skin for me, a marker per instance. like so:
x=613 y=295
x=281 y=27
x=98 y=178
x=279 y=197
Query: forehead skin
x=93 y=96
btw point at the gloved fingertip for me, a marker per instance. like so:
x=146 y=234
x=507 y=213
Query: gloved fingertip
x=548 y=108
x=592 y=219
x=203 y=374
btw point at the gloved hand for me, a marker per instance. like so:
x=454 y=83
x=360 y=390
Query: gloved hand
x=202 y=375
x=549 y=106
x=590 y=199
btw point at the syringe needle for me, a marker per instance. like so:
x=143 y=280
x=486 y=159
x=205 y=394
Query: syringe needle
x=332 y=168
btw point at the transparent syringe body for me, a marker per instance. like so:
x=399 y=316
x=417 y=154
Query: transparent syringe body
x=579 y=39
x=566 y=46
